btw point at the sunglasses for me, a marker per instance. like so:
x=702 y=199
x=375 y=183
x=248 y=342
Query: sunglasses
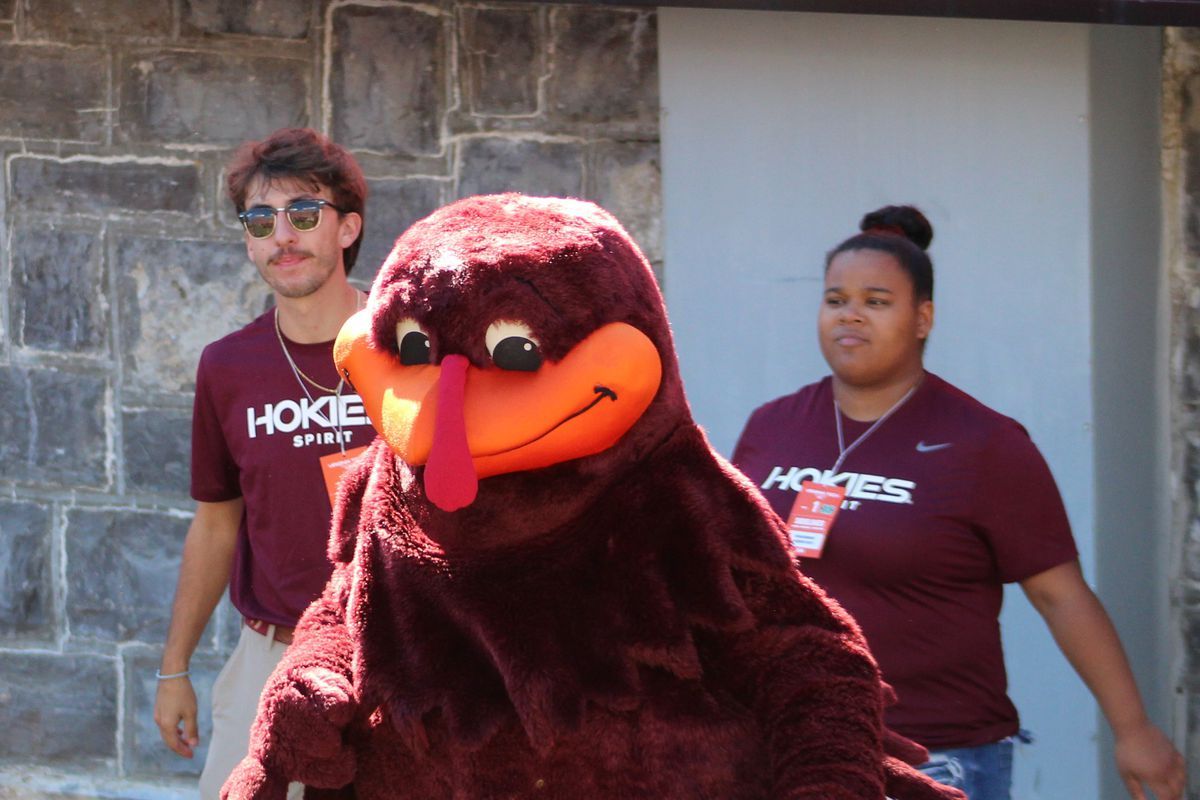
x=303 y=215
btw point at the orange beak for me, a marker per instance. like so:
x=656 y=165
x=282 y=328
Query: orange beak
x=456 y=419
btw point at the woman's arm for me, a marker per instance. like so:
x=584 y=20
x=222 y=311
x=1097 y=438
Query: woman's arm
x=1086 y=636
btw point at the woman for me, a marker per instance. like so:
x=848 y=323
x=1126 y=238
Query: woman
x=945 y=501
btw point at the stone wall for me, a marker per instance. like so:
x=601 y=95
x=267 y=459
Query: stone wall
x=1181 y=207
x=120 y=258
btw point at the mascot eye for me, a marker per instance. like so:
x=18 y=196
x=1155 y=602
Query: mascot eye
x=413 y=343
x=512 y=346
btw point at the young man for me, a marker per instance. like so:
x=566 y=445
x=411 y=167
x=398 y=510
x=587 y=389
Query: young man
x=269 y=405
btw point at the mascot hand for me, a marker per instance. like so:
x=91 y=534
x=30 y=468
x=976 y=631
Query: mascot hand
x=300 y=728
x=906 y=783
x=250 y=780
x=904 y=749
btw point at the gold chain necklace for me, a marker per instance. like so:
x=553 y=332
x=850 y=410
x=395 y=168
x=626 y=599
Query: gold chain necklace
x=295 y=367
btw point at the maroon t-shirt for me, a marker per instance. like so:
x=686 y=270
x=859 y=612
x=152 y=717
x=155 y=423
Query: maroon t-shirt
x=257 y=435
x=947 y=500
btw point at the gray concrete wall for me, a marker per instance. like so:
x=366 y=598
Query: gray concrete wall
x=1133 y=540
x=1034 y=149
x=120 y=258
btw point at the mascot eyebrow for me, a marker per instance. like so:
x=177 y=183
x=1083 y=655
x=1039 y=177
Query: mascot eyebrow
x=533 y=288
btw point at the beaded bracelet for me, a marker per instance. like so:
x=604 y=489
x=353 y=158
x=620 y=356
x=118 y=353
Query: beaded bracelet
x=162 y=677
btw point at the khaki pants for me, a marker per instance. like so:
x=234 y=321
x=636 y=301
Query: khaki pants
x=235 y=696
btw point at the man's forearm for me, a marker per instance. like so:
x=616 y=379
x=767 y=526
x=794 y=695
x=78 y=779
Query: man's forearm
x=203 y=575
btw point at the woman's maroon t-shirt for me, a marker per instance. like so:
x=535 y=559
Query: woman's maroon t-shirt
x=257 y=435
x=946 y=501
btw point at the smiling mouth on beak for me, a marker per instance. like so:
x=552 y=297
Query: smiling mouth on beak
x=464 y=423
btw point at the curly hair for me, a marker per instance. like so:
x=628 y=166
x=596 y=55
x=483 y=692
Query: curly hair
x=304 y=155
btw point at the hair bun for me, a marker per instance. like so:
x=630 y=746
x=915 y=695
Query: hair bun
x=900 y=219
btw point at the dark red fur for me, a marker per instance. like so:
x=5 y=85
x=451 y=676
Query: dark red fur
x=628 y=625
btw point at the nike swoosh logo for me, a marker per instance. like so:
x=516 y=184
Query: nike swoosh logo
x=929 y=448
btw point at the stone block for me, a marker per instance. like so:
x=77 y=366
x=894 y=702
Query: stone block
x=1191 y=102
x=185 y=97
x=121 y=570
x=500 y=59
x=59 y=297
x=52 y=427
x=388 y=78
x=175 y=297
x=605 y=66
x=71 y=440
x=1191 y=688
x=25 y=581
x=393 y=205
x=75 y=19
x=1190 y=620
x=1191 y=563
x=144 y=752
x=228 y=625
x=1189 y=361
x=75 y=110
x=46 y=718
x=626 y=179
x=92 y=187
x=520 y=165
x=157 y=449
x=1191 y=180
x=280 y=19
x=35 y=782
x=16 y=432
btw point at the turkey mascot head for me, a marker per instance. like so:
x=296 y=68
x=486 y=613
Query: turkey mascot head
x=516 y=353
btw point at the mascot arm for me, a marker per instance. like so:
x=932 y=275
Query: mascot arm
x=807 y=673
x=819 y=701
x=305 y=709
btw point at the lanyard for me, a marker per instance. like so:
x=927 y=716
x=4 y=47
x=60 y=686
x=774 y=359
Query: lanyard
x=301 y=377
x=843 y=450
x=336 y=416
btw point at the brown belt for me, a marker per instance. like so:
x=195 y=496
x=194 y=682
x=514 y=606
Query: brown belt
x=282 y=633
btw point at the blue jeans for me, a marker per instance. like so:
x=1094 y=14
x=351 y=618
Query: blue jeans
x=983 y=773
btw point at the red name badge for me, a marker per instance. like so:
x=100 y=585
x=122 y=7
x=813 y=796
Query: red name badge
x=812 y=516
x=332 y=467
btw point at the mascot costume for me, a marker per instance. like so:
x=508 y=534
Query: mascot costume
x=547 y=584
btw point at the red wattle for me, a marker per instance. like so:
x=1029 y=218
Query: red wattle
x=450 y=481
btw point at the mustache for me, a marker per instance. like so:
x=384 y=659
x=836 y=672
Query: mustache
x=288 y=251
